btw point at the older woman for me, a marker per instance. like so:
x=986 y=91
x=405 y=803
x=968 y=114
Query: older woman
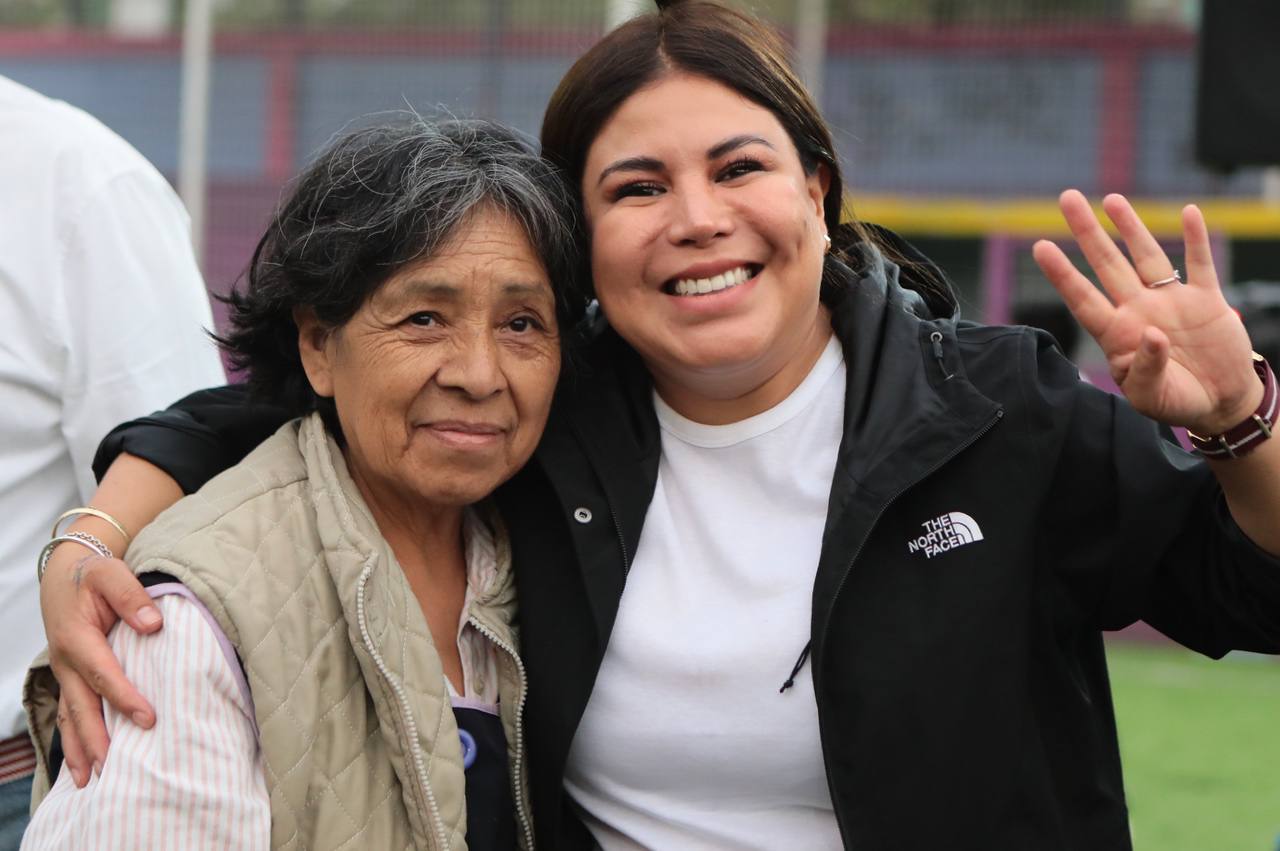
x=339 y=665
x=787 y=463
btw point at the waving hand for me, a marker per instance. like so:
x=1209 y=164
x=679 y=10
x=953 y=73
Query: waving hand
x=1177 y=350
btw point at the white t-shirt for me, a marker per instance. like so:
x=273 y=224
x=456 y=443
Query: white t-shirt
x=686 y=741
x=102 y=318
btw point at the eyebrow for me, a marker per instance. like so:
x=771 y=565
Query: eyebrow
x=736 y=142
x=453 y=292
x=716 y=151
x=631 y=164
x=520 y=288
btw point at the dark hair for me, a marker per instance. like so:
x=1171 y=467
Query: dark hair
x=698 y=37
x=707 y=39
x=372 y=202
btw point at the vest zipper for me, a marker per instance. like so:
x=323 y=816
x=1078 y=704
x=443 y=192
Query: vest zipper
x=516 y=788
x=844 y=579
x=442 y=836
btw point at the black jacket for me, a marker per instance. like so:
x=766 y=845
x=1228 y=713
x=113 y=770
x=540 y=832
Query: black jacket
x=962 y=688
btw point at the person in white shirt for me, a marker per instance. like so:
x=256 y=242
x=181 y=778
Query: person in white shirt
x=102 y=316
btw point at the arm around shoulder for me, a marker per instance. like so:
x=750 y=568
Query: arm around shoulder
x=195 y=779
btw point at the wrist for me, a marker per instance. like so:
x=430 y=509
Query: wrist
x=1236 y=413
x=99 y=537
x=100 y=529
x=1243 y=433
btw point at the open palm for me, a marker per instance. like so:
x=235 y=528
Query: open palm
x=1179 y=353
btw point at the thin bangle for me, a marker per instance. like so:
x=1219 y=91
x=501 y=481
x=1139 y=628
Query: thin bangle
x=92 y=512
x=84 y=539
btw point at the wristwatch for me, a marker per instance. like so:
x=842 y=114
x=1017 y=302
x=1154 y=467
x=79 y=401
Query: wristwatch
x=1248 y=435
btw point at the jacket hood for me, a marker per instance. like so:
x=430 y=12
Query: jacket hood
x=888 y=263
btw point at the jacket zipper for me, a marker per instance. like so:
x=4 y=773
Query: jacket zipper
x=622 y=542
x=516 y=788
x=844 y=579
x=441 y=835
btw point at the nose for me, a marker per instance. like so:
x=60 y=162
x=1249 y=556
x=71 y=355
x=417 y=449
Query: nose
x=700 y=215
x=474 y=365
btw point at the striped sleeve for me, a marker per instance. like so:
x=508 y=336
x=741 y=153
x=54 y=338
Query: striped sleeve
x=193 y=781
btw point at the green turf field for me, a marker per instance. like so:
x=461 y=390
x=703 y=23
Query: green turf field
x=1201 y=747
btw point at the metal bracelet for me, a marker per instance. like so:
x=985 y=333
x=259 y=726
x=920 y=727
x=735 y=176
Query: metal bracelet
x=84 y=539
x=85 y=510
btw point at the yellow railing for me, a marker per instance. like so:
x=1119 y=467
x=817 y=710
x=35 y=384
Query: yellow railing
x=1036 y=217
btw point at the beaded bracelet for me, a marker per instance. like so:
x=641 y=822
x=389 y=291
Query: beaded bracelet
x=84 y=539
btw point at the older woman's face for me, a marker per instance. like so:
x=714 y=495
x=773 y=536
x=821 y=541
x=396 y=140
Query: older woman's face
x=443 y=379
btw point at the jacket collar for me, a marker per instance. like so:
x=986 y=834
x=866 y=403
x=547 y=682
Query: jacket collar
x=909 y=408
x=906 y=385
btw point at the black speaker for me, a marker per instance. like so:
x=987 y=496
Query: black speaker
x=1238 y=93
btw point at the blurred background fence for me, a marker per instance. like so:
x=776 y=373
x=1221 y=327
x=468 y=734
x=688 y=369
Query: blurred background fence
x=959 y=121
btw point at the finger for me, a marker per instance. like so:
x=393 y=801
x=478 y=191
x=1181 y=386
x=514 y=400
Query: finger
x=1089 y=306
x=1149 y=259
x=1108 y=261
x=1147 y=369
x=83 y=710
x=73 y=753
x=1199 y=251
x=119 y=588
x=86 y=650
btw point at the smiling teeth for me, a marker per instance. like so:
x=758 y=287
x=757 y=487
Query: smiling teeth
x=723 y=281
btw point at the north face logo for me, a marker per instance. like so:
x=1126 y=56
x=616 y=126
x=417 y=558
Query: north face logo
x=945 y=533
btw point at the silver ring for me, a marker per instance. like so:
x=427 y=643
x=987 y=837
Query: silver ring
x=1175 y=278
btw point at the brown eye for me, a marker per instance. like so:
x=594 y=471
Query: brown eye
x=424 y=319
x=738 y=168
x=638 y=189
x=521 y=324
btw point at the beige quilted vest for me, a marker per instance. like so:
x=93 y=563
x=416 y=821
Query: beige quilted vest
x=357 y=732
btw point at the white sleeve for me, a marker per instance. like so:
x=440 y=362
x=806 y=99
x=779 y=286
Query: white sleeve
x=193 y=781
x=135 y=312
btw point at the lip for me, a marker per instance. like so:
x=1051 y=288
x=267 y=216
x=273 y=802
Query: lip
x=461 y=434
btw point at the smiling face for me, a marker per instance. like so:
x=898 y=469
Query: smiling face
x=707 y=238
x=443 y=378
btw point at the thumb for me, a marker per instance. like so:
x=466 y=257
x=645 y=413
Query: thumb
x=1148 y=366
x=120 y=590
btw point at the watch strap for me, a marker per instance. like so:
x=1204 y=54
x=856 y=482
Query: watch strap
x=1250 y=433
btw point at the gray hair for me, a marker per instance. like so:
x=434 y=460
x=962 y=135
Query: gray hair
x=373 y=201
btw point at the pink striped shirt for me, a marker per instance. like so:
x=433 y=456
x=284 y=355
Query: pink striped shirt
x=193 y=781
